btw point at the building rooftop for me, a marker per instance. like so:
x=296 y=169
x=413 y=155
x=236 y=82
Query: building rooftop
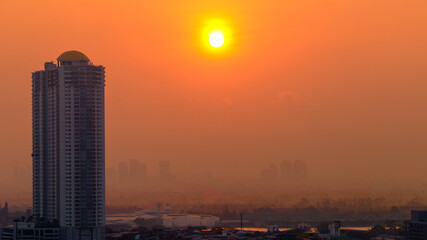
x=73 y=56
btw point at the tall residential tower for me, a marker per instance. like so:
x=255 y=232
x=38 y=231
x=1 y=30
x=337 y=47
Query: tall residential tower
x=69 y=146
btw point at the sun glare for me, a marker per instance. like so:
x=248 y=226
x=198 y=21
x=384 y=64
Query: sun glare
x=216 y=39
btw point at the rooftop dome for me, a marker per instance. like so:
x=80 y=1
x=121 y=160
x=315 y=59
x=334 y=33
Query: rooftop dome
x=73 y=56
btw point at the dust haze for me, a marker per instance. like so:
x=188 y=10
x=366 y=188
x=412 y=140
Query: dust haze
x=316 y=105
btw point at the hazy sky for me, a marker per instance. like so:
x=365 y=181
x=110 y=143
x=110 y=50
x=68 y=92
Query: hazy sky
x=340 y=84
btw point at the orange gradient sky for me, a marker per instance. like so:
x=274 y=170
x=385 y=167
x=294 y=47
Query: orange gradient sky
x=340 y=84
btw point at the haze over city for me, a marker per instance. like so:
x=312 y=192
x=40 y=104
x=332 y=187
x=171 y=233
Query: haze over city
x=334 y=87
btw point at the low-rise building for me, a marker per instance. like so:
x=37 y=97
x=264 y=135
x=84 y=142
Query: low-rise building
x=189 y=220
x=416 y=228
x=29 y=230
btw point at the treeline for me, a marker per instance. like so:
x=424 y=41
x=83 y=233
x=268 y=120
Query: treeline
x=302 y=207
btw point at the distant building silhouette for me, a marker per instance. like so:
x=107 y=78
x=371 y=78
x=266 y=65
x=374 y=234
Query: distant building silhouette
x=29 y=213
x=270 y=174
x=137 y=173
x=300 y=172
x=123 y=174
x=286 y=172
x=164 y=171
x=4 y=214
x=68 y=145
x=111 y=177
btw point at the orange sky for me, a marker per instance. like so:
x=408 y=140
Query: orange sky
x=340 y=84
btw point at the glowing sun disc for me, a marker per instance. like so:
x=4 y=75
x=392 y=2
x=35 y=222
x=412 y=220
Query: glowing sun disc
x=216 y=39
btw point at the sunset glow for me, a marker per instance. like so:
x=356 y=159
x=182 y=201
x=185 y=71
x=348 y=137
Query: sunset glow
x=264 y=112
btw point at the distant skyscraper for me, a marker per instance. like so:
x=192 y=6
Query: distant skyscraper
x=137 y=172
x=300 y=172
x=123 y=174
x=286 y=172
x=68 y=145
x=270 y=174
x=110 y=177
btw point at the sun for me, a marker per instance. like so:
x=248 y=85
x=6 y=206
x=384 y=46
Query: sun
x=216 y=39
x=217 y=36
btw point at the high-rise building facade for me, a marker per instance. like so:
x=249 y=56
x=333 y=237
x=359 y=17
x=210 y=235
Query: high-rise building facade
x=69 y=146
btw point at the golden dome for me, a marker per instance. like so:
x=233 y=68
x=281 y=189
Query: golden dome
x=73 y=56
